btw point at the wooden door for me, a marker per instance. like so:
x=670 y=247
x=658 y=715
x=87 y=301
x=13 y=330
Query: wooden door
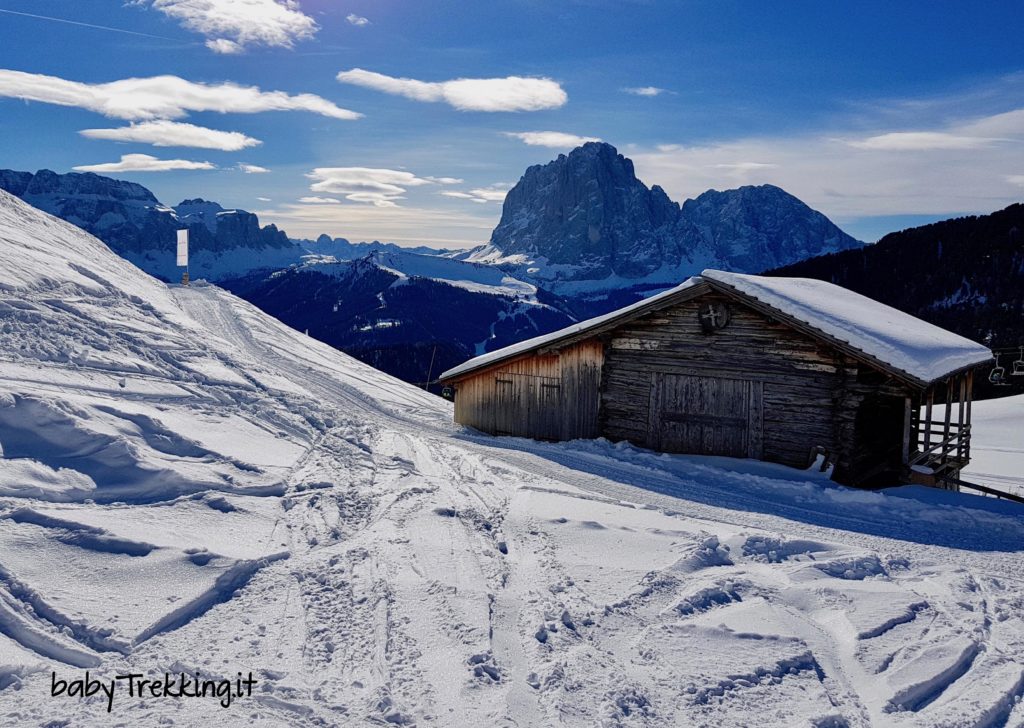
x=705 y=415
x=527 y=406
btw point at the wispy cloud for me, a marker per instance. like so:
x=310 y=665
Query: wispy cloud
x=160 y=97
x=513 y=93
x=320 y=200
x=741 y=167
x=645 y=90
x=482 y=195
x=143 y=163
x=406 y=225
x=357 y=20
x=230 y=26
x=444 y=180
x=378 y=187
x=163 y=133
x=225 y=47
x=969 y=165
x=264 y=199
x=920 y=141
x=252 y=168
x=553 y=139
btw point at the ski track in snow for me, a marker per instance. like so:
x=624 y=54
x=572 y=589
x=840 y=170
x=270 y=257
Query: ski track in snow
x=224 y=494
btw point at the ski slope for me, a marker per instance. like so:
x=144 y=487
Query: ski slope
x=189 y=486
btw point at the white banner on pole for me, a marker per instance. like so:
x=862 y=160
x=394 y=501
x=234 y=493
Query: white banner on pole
x=183 y=247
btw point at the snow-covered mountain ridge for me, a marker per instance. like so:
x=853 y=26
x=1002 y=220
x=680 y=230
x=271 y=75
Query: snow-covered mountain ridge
x=129 y=219
x=189 y=486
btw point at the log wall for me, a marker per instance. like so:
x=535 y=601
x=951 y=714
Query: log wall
x=808 y=391
x=545 y=396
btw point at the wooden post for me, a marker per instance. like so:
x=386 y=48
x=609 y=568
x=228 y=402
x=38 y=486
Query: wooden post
x=928 y=420
x=961 y=432
x=967 y=423
x=945 y=449
x=908 y=408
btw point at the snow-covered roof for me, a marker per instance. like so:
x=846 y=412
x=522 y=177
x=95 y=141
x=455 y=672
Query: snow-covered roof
x=896 y=340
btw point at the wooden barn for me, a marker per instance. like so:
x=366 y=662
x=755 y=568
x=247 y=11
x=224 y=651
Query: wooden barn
x=777 y=369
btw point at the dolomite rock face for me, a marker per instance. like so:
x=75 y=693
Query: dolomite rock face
x=586 y=217
x=588 y=210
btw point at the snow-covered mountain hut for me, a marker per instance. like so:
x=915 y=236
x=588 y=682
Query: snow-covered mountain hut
x=777 y=369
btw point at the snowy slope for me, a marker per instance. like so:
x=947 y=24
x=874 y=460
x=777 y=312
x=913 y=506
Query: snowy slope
x=221 y=494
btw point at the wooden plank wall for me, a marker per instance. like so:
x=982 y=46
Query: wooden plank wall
x=545 y=396
x=801 y=377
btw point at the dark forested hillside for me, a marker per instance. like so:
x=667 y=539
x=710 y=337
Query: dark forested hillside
x=966 y=275
x=406 y=326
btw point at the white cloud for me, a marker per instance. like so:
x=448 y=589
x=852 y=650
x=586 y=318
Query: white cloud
x=357 y=20
x=143 y=163
x=320 y=200
x=264 y=199
x=225 y=47
x=554 y=139
x=163 y=133
x=645 y=90
x=848 y=182
x=379 y=187
x=252 y=168
x=445 y=180
x=482 y=195
x=232 y=25
x=920 y=141
x=160 y=97
x=741 y=167
x=514 y=93
x=404 y=225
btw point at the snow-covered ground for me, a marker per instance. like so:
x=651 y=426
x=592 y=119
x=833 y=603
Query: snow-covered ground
x=189 y=486
x=997 y=444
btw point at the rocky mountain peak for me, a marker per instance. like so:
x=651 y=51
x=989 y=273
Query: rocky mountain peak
x=586 y=220
x=586 y=208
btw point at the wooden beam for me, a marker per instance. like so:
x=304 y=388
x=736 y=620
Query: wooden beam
x=949 y=413
x=907 y=410
x=970 y=397
x=960 y=416
x=928 y=418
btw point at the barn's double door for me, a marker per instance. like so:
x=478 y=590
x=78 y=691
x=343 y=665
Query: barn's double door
x=705 y=415
x=527 y=406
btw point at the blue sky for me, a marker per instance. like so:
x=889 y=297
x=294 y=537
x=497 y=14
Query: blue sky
x=881 y=115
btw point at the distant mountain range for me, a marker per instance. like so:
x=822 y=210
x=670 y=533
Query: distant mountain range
x=126 y=216
x=578 y=236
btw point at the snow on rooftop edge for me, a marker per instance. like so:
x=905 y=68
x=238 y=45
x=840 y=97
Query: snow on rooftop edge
x=889 y=335
x=537 y=341
x=922 y=350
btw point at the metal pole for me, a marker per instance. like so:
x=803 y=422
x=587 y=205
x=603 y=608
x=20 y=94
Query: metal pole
x=430 y=371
